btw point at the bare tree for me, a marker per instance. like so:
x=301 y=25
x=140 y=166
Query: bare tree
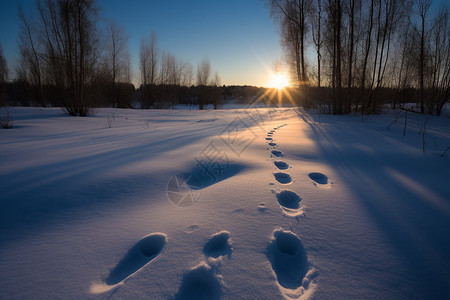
x=31 y=62
x=68 y=31
x=144 y=58
x=405 y=58
x=187 y=74
x=217 y=94
x=153 y=57
x=203 y=78
x=148 y=55
x=334 y=10
x=3 y=77
x=118 y=60
x=438 y=80
x=354 y=6
x=316 y=17
x=203 y=72
x=148 y=65
x=170 y=73
x=367 y=47
x=388 y=15
x=422 y=8
x=292 y=15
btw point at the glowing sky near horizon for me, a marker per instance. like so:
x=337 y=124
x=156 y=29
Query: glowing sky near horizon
x=239 y=37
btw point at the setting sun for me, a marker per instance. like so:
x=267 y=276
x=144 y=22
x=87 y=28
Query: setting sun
x=279 y=80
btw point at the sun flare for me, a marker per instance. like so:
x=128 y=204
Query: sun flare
x=279 y=80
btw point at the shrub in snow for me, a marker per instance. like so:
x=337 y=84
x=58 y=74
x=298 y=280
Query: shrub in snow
x=6 y=121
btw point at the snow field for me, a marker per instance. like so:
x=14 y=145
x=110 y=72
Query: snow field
x=336 y=210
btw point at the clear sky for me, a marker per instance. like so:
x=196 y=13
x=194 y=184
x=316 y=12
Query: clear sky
x=238 y=36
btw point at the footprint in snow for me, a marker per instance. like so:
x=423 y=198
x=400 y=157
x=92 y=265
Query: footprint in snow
x=281 y=165
x=272 y=144
x=137 y=257
x=290 y=263
x=268 y=138
x=283 y=178
x=290 y=203
x=192 y=228
x=200 y=283
x=277 y=153
x=319 y=179
x=218 y=245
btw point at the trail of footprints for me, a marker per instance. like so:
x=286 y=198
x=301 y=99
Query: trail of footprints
x=286 y=252
x=289 y=201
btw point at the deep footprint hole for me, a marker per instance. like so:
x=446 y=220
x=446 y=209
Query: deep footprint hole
x=288 y=259
x=152 y=245
x=283 y=177
x=318 y=177
x=281 y=165
x=144 y=251
x=289 y=199
x=287 y=243
x=277 y=153
x=272 y=144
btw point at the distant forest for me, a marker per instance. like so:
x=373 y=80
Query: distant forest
x=366 y=53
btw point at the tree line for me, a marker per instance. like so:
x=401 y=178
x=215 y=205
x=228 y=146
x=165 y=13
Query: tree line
x=366 y=52
x=69 y=58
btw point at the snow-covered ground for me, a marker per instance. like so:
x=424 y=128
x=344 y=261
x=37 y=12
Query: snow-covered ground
x=232 y=204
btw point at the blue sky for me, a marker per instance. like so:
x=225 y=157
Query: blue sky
x=239 y=37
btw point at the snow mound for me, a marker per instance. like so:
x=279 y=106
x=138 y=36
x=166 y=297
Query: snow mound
x=218 y=245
